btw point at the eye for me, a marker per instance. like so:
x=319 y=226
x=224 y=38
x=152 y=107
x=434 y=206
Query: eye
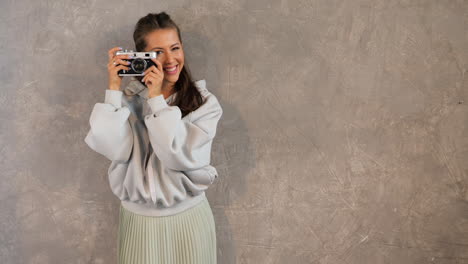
x=157 y=52
x=176 y=48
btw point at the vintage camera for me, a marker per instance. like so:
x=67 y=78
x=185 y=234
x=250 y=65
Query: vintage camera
x=140 y=62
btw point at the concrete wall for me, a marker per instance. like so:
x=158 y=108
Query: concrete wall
x=344 y=137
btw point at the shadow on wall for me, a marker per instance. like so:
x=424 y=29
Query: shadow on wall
x=232 y=153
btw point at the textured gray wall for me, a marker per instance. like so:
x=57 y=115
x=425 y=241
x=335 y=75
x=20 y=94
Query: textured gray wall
x=344 y=137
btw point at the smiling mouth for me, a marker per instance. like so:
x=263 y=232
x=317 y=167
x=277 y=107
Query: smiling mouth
x=174 y=69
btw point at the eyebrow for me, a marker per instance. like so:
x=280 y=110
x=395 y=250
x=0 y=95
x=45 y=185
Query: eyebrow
x=162 y=48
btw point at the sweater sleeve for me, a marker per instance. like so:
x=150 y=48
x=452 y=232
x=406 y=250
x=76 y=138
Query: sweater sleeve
x=183 y=144
x=110 y=133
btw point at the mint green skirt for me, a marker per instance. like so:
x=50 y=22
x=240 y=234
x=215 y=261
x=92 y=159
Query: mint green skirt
x=187 y=238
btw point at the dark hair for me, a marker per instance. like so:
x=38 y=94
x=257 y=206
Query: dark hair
x=188 y=97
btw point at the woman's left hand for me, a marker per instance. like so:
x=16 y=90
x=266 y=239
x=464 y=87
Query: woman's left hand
x=154 y=78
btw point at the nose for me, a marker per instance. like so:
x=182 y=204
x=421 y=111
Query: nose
x=169 y=58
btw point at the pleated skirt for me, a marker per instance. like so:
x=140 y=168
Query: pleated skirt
x=185 y=238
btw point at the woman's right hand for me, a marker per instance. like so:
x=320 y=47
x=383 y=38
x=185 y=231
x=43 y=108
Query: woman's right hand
x=113 y=69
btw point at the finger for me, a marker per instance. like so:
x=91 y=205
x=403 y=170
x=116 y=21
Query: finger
x=154 y=69
x=148 y=79
x=146 y=75
x=121 y=67
x=116 y=57
x=121 y=62
x=150 y=69
x=151 y=75
x=118 y=68
x=151 y=79
x=159 y=64
x=111 y=52
x=122 y=57
x=111 y=64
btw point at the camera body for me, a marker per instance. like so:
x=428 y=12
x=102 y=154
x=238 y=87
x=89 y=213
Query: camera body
x=140 y=62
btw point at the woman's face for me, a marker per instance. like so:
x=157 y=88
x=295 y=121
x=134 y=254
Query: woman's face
x=169 y=52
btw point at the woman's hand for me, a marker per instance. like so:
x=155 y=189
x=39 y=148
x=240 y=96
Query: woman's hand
x=113 y=69
x=154 y=79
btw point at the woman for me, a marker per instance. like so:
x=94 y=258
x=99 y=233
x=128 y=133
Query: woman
x=158 y=137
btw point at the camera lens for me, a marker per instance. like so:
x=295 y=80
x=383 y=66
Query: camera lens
x=139 y=65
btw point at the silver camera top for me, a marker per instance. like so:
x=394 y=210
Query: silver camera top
x=141 y=54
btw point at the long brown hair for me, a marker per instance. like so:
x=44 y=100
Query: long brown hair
x=188 y=97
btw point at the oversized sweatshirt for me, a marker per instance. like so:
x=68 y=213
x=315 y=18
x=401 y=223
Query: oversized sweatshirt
x=160 y=162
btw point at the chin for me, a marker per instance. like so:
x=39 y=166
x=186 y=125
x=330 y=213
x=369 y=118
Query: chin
x=172 y=79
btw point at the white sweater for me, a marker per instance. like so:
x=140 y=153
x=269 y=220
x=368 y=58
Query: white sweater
x=160 y=162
